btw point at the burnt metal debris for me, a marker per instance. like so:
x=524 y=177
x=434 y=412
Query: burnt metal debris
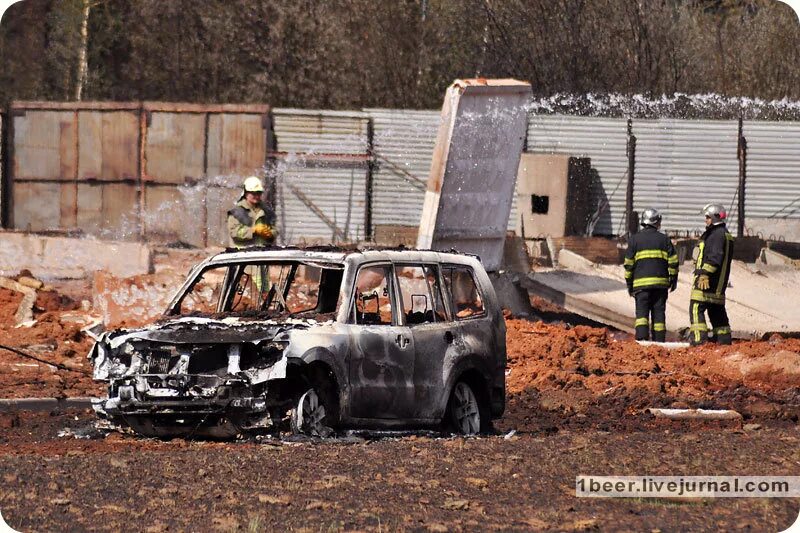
x=310 y=341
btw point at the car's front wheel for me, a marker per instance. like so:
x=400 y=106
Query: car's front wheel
x=466 y=414
x=310 y=417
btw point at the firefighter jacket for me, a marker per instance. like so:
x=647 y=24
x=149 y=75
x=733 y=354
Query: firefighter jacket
x=651 y=261
x=243 y=218
x=713 y=254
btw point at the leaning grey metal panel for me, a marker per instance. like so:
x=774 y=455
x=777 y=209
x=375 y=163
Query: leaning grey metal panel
x=604 y=141
x=681 y=165
x=471 y=185
x=403 y=145
x=44 y=145
x=773 y=174
x=314 y=196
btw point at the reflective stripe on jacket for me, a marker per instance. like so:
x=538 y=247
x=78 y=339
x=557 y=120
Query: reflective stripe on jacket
x=714 y=257
x=651 y=261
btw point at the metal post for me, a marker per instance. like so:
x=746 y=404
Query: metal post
x=370 y=171
x=5 y=161
x=270 y=161
x=204 y=177
x=741 y=154
x=144 y=123
x=630 y=221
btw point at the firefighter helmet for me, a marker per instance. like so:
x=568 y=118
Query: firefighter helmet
x=650 y=217
x=716 y=213
x=253 y=184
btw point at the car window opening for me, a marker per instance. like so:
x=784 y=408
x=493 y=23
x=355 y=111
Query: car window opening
x=263 y=290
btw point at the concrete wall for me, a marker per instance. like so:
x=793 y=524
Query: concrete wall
x=64 y=257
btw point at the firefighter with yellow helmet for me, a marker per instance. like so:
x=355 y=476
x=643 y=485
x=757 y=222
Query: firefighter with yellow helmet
x=250 y=223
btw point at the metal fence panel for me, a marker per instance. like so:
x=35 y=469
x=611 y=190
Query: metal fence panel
x=403 y=146
x=604 y=140
x=321 y=205
x=108 y=145
x=174 y=148
x=318 y=132
x=174 y=162
x=321 y=179
x=773 y=170
x=237 y=144
x=45 y=145
x=236 y=147
x=681 y=165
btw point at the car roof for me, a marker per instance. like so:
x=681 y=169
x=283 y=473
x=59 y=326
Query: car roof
x=340 y=255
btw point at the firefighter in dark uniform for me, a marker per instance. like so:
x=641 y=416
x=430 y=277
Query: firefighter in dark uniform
x=651 y=270
x=713 y=256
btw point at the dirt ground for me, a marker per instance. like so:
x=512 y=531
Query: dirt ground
x=523 y=483
x=576 y=400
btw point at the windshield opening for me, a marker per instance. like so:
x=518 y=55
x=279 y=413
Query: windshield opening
x=263 y=289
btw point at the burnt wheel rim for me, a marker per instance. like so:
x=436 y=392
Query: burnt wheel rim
x=310 y=413
x=466 y=414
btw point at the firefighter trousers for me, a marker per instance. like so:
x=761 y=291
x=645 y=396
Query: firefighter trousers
x=651 y=314
x=698 y=332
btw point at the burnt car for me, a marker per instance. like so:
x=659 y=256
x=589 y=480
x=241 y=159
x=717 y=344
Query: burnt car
x=313 y=340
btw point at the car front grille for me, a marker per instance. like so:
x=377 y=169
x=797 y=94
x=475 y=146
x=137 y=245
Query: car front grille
x=158 y=362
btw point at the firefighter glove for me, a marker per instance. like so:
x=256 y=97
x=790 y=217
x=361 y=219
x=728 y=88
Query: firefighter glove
x=263 y=231
x=703 y=282
x=673 y=285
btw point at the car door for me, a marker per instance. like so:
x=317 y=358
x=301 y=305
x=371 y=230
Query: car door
x=381 y=367
x=424 y=312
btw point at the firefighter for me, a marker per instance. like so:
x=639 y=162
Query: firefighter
x=713 y=256
x=249 y=222
x=651 y=269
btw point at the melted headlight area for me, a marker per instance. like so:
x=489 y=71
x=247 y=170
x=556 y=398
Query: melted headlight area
x=208 y=389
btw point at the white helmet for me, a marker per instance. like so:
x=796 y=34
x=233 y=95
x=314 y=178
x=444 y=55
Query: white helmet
x=650 y=217
x=716 y=213
x=253 y=184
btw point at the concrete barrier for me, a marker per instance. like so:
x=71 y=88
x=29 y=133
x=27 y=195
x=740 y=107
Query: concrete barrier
x=66 y=257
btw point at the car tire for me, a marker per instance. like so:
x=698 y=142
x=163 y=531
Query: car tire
x=467 y=413
x=310 y=416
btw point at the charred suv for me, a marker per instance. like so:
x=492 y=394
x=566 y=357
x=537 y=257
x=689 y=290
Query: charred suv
x=313 y=340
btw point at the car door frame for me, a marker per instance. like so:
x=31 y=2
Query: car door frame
x=380 y=369
x=434 y=343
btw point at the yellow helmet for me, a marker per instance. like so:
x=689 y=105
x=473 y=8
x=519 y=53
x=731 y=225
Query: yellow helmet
x=253 y=184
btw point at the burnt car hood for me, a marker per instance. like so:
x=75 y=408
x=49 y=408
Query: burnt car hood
x=196 y=330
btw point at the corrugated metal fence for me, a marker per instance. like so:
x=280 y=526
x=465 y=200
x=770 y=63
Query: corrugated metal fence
x=170 y=172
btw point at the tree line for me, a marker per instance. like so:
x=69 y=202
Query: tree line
x=345 y=54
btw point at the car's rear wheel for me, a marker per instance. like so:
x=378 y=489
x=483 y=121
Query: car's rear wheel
x=310 y=417
x=466 y=413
